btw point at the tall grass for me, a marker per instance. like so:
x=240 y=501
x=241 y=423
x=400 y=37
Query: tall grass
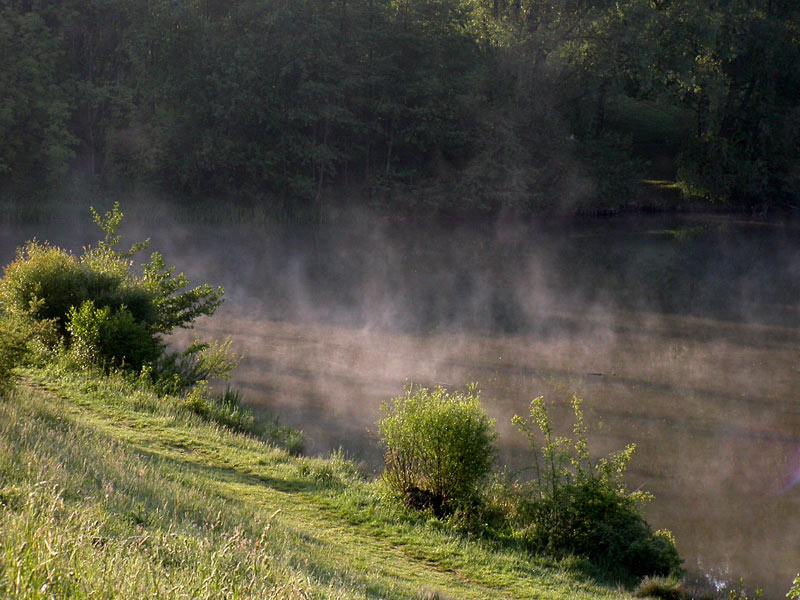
x=83 y=516
x=112 y=495
x=121 y=391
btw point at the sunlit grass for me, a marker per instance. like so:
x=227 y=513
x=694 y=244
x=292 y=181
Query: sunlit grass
x=106 y=494
x=663 y=184
x=85 y=516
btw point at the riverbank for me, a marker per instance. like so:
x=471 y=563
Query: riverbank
x=107 y=495
x=656 y=194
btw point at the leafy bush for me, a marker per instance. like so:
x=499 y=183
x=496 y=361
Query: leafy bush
x=110 y=337
x=100 y=309
x=175 y=372
x=794 y=591
x=576 y=505
x=437 y=446
x=270 y=429
x=43 y=283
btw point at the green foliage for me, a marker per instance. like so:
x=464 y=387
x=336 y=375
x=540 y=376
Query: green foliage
x=110 y=338
x=44 y=282
x=225 y=408
x=794 y=591
x=176 y=372
x=437 y=446
x=102 y=311
x=107 y=494
x=613 y=170
x=12 y=351
x=665 y=588
x=111 y=514
x=470 y=105
x=738 y=591
x=719 y=171
x=579 y=505
x=173 y=307
x=35 y=112
x=290 y=439
x=336 y=470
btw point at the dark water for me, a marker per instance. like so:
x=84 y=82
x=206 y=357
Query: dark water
x=680 y=333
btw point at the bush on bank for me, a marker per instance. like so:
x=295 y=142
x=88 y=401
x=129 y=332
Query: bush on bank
x=101 y=313
x=94 y=312
x=576 y=504
x=438 y=448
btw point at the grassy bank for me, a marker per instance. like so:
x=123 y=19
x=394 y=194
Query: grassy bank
x=105 y=492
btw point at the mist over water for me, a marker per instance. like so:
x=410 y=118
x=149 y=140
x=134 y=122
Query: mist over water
x=681 y=334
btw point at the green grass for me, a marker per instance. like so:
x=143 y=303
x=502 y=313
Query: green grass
x=106 y=493
x=662 y=184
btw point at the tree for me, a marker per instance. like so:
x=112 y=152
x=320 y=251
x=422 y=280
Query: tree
x=35 y=111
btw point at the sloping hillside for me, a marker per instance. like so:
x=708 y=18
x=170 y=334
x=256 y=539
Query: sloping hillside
x=107 y=492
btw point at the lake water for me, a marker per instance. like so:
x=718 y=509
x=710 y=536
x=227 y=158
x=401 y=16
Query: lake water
x=681 y=334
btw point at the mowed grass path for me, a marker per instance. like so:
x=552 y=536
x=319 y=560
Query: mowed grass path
x=106 y=494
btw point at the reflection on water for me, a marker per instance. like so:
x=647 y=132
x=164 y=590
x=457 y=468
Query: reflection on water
x=681 y=334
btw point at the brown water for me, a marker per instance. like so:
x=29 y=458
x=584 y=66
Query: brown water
x=681 y=334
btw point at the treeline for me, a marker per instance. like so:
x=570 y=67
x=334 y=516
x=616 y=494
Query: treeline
x=449 y=104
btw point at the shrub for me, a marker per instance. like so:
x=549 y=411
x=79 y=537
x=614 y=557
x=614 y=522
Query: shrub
x=576 y=505
x=226 y=408
x=794 y=591
x=176 y=372
x=43 y=282
x=268 y=427
x=437 y=446
x=101 y=310
x=110 y=337
x=594 y=520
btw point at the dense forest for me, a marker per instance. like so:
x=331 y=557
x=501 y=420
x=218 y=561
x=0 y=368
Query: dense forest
x=455 y=105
